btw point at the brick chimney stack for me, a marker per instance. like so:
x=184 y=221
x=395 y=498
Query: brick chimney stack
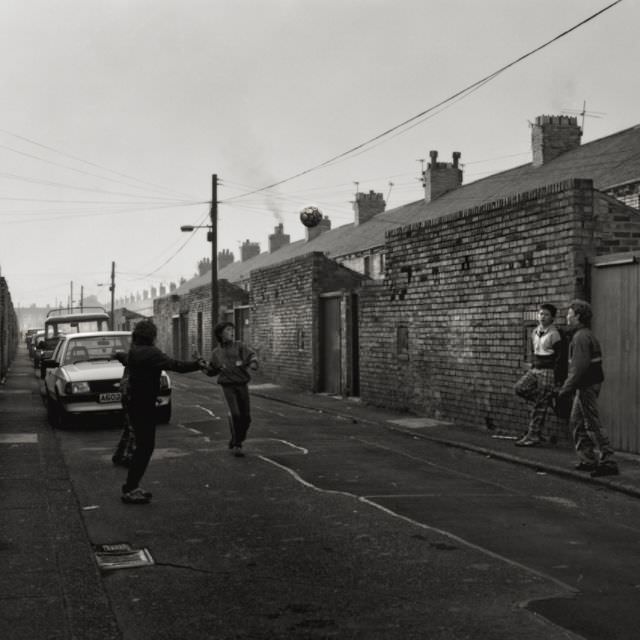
x=441 y=177
x=225 y=258
x=551 y=136
x=313 y=232
x=367 y=205
x=278 y=238
x=249 y=250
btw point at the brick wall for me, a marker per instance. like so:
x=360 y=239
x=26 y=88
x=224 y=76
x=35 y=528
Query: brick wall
x=8 y=329
x=618 y=230
x=187 y=307
x=284 y=315
x=462 y=292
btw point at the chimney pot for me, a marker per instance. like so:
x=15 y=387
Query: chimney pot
x=440 y=177
x=551 y=136
x=249 y=250
x=313 y=232
x=367 y=205
x=278 y=238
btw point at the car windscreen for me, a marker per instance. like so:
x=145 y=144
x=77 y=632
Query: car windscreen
x=94 y=348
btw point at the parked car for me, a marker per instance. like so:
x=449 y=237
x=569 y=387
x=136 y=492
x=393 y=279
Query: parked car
x=83 y=378
x=75 y=320
x=29 y=340
x=38 y=349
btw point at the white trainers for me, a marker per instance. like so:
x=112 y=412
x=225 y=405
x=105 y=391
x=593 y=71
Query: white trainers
x=136 y=496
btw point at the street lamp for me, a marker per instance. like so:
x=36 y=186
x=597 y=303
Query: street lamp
x=212 y=237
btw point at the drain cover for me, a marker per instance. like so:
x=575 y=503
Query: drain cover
x=121 y=555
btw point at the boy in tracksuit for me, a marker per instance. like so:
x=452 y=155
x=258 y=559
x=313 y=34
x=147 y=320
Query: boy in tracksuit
x=585 y=378
x=230 y=361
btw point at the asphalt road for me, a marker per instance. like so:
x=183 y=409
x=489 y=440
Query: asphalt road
x=335 y=529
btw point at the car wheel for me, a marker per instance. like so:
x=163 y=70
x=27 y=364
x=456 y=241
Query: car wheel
x=164 y=413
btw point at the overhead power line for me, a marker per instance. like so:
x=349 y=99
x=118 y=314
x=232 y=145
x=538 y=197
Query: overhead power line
x=87 y=162
x=456 y=96
x=14 y=176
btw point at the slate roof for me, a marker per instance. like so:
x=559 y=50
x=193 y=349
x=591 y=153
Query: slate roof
x=609 y=161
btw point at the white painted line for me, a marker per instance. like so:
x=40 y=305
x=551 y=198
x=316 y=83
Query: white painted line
x=419 y=423
x=18 y=438
x=436 y=495
x=213 y=415
x=426 y=527
x=15 y=392
x=289 y=444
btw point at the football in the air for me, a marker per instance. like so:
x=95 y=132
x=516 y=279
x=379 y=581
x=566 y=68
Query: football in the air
x=310 y=216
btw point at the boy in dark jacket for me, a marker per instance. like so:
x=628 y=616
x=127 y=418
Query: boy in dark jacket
x=144 y=363
x=585 y=378
x=230 y=361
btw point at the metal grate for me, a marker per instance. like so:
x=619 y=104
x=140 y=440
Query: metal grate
x=121 y=555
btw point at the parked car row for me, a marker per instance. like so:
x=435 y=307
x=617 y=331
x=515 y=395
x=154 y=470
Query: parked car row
x=76 y=357
x=60 y=322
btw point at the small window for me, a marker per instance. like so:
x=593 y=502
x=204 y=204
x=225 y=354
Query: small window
x=300 y=339
x=367 y=265
x=402 y=344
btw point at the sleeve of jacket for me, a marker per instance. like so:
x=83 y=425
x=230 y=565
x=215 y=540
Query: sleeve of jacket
x=248 y=355
x=214 y=366
x=162 y=361
x=579 y=363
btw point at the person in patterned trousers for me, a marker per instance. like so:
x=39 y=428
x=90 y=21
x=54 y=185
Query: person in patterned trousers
x=537 y=385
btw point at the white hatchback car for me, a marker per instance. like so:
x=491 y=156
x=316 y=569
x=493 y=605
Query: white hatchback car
x=83 y=378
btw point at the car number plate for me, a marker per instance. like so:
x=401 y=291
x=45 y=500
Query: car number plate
x=109 y=397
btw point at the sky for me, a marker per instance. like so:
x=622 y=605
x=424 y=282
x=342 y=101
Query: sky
x=115 y=114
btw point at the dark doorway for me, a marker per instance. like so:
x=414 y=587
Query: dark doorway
x=330 y=347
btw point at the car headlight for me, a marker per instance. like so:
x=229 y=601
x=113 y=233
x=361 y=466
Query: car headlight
x=77 y=387
x=165 y=383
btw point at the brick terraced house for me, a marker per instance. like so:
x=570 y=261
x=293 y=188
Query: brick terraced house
x=427 y=307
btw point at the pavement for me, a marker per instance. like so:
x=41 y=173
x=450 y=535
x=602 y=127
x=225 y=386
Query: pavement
x=51 y=586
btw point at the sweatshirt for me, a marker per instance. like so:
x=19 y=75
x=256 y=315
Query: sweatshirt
x=229 y=361
x=585 y=362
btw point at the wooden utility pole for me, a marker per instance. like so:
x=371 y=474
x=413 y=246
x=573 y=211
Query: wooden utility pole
x=112 y=288
x=213 y=237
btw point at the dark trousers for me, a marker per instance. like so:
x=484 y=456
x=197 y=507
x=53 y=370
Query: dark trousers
x=589 y=436
x=127 y=443
x=143 y=421
x=237 y=399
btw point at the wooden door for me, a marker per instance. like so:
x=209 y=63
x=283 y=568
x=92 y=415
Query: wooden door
x=615 y=294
